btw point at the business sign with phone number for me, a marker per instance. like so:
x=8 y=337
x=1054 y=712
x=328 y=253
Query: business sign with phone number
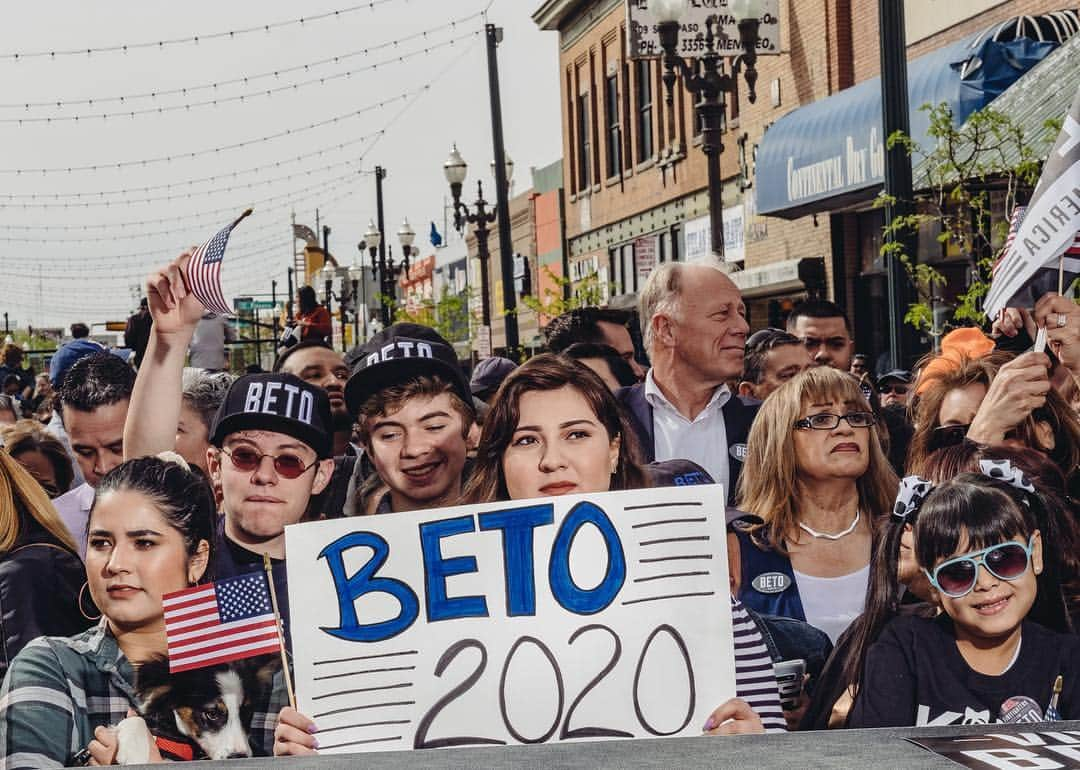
x=644 y=40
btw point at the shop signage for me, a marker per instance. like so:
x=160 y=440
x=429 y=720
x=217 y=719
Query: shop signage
x=644 y=40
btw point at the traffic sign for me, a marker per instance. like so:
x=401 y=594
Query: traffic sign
x=248 y=303
x=643 y=40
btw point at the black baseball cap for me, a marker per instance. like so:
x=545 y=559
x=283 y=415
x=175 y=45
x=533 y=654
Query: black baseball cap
x=900 y=375
x=277 y=402
x=399 y=353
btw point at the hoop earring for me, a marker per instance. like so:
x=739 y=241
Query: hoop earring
x=82 y=612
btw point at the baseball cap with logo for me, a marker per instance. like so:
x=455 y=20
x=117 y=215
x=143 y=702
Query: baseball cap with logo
x=398 y=353
x=280 y=403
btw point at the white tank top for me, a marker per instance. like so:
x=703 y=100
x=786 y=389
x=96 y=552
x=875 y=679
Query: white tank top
x=832 y=603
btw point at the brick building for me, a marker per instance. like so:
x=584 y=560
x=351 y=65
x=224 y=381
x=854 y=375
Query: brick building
x=635 y=177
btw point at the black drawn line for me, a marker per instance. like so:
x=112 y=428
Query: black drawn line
x=370 y=706
x=365 y=671
x=675 y=558
x=669 y=596
x=358 y=743
x=669 y=521
x=658 y=505
x=670 y=575
x=362 y=689
x=365 y=657
x=323 y=730
x=696 y=538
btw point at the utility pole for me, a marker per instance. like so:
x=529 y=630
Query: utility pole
x=895 y=116
x=386 y=290
x=502 y=200
x=273 y=299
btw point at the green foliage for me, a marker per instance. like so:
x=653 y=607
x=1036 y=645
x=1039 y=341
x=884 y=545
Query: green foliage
x=589 y=292
x=964 y=164
x=449 y=315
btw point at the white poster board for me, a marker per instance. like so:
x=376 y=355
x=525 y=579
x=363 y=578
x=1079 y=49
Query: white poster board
x=570 y=618
x=734 y=233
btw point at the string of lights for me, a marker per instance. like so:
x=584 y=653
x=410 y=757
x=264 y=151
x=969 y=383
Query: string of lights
x=217 y=101
x=231 y=34
x=223 y=148
x=59 y=196
x=244 y=80
x=186 y=195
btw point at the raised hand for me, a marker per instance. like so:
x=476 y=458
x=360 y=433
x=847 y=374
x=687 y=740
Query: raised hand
x=172 y=305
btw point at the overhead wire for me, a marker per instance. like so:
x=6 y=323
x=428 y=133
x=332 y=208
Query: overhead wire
x=190 y=39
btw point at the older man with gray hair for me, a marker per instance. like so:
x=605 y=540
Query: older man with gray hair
x=694 y=324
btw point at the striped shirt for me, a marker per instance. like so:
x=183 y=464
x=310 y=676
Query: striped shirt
x=755 y=681
x=58 y=690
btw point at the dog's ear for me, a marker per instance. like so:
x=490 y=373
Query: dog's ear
x=262 y=669
x=152 y=681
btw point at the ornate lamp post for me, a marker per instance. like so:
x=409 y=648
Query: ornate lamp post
x=482 y=217
x=707 y=82
x=356 y=275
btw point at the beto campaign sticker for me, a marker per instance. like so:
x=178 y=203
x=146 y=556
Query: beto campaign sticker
x=739 y=452
x=771 y=583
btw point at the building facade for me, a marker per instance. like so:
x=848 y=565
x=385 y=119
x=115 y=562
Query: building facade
x=635 y=176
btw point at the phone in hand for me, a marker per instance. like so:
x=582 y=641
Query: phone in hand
x=789 y=678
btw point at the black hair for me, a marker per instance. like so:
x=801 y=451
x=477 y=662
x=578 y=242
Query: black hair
x=620 y=370
x=817 y=308
x=582 y=324
x=308 y=343
x=987 y=511
x=12 y=379
x=758 y=346
x=80 y=330
x=183 y=495
x=98 y=379
x=306 y=296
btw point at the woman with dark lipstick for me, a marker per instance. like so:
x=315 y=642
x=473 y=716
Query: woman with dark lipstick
x=815 y=483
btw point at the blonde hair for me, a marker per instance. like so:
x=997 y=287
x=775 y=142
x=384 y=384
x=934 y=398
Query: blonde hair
x=19 y=491
x=769 y=484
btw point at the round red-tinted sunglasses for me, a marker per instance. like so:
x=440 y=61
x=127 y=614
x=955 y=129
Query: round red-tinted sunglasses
x=286 y=465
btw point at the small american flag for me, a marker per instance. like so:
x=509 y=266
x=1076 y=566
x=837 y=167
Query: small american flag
x=1015 y=221
x=204 y=270
x=217 y=622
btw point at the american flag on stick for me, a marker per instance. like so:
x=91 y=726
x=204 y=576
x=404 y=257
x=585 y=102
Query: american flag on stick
x=213 y=623
x=204 y=270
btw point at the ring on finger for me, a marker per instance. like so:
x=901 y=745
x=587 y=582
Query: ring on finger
x=1062 y=320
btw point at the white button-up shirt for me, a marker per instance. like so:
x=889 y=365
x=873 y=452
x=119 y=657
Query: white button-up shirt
x=702 y=440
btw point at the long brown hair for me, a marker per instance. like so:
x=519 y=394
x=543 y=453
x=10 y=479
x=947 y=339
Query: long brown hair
x=20 y=492
x=30 y=436
x=769 y=483
x=548 y=372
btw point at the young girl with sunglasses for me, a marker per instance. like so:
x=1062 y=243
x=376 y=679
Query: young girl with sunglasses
x=984 y=658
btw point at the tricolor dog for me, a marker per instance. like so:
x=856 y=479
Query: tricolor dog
x=202 y=713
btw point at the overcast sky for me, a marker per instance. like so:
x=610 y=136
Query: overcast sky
x=54 y=269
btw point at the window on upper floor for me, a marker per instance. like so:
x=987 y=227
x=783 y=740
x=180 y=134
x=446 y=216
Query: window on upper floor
x=643 y=80
x=584 y=142
x=614 y=126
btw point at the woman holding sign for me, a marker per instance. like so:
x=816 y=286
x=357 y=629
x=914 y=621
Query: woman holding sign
x=556 y=429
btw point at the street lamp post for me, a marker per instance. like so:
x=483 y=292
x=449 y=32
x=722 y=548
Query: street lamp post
x=383 y=269
x=356 y=275
x=708 y=84
x=481 y=217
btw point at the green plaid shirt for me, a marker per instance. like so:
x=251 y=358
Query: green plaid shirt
x=59 y=689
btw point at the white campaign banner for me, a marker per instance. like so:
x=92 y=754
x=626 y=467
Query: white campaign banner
x=570 y=618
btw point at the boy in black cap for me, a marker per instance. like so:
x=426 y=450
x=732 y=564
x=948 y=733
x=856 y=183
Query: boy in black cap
x=271 y=438
x=413 y=410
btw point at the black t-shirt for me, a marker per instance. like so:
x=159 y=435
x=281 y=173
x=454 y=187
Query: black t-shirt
x=916 y=676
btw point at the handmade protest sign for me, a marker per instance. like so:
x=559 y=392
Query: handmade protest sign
x=569 y=618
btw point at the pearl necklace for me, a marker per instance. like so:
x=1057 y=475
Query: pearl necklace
x=830 y=536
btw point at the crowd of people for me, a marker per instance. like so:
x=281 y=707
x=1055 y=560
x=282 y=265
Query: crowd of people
x=911 y=537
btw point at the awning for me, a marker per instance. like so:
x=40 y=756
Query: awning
x=830 y=154
x=786 y=277
x=1043 y=94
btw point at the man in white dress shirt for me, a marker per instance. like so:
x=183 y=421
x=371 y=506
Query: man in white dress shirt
x=694 y=324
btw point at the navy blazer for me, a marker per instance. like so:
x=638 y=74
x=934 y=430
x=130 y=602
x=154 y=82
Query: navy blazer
x=739 y=414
